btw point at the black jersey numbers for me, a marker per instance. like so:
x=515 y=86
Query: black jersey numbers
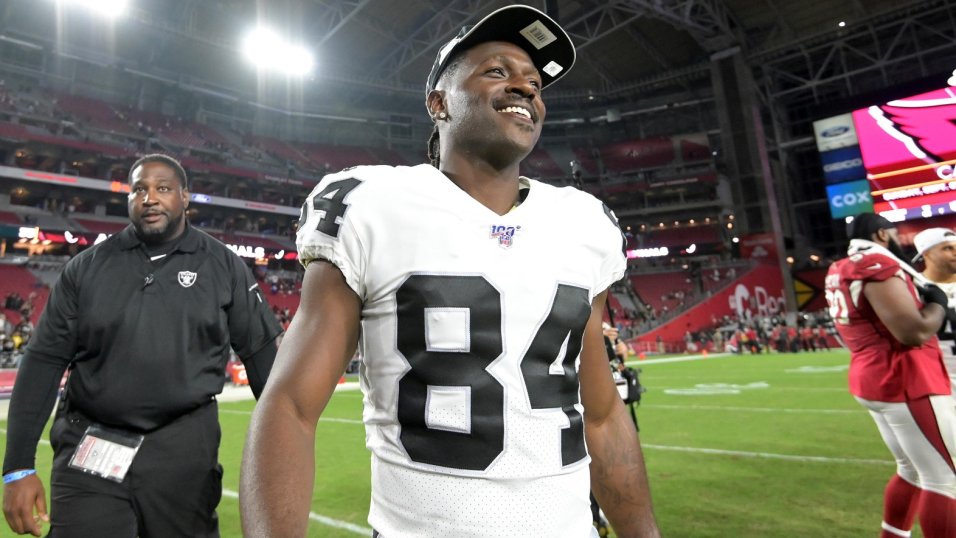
x=466 y=369
x=331 y=201
x=478 y=448
x=550 y=389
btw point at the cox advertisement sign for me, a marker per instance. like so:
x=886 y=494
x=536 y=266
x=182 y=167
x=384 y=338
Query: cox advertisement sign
x=849 y=199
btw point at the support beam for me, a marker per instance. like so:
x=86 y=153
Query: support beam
x=437 y=29
x=781 y=21
x=339 y=13
x=652 y=50
x=711 y=24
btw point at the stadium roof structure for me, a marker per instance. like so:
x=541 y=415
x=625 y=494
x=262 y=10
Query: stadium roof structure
x=375 y=54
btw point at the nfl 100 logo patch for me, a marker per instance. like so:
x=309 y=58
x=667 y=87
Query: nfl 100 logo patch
x=504 y=234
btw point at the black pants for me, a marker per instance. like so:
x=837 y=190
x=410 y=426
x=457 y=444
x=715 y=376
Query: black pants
x=171 y=490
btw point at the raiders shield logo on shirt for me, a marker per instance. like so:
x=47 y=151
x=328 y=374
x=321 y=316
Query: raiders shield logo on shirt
x=187 y=278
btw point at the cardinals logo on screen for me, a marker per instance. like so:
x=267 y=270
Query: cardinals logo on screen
x=909 y=148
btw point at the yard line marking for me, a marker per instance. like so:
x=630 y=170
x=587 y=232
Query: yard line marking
x=767 y=455
x=818 y=389
x=653 y=388
x=319 y=518
x=679 y=359
x=755 y=409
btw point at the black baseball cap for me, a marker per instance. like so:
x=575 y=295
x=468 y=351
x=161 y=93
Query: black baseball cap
x=548 y=45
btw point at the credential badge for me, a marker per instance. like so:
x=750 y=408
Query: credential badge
x=187 y=278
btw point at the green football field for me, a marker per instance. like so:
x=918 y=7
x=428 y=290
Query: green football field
x=736 y=446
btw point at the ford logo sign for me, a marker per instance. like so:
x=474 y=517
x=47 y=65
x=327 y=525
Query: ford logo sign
x=834 y=131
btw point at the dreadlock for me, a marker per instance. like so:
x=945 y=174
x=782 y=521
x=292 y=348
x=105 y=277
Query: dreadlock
x=434 y=148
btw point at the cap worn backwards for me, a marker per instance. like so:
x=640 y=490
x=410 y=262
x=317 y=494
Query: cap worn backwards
x=931 y=237
x=548 y=45
x=864 y=225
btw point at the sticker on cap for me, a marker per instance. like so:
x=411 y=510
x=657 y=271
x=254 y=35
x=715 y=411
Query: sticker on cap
x=552 y=69
x=538 y=35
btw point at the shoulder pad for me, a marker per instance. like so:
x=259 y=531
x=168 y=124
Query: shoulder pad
x=872 y=266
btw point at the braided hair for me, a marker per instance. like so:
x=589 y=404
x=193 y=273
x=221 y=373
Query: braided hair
x=434 y=149
x=433 y=146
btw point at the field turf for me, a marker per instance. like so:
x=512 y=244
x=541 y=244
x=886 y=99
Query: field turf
x=736 y=446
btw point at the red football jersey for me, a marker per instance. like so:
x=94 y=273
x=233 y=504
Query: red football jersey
x=881 y=368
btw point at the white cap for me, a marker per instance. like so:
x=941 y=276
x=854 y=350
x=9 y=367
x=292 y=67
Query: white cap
x=931 y=237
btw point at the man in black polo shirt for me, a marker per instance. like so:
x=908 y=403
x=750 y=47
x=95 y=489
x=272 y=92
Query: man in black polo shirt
x=144 y=322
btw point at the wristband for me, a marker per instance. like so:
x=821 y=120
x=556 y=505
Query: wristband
x=17 y=475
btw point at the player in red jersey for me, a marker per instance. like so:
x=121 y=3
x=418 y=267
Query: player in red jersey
x=897 y=373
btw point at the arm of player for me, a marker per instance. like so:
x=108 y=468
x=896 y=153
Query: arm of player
x=34 y=395
x=48 y=355
x=278 y=467
x=894 y=305
x=618 y=475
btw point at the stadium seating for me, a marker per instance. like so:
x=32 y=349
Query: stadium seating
x=281 y=300
x=284 y=152
x=14 y=278
x=391 y=157
x=337 y=157
x=8 y=217
x=620 y=316
x=583 y=156
x=93 y=113
x=635 y=155
x=682 y=236
x=540 y=164
x=99 y=226
x=658 y=289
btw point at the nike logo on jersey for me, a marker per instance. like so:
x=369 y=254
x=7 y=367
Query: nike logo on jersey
x=874 y=267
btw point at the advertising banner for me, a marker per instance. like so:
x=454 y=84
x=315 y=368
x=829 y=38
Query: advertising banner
x=759 y=292
x=835 y=133
x=849 y=199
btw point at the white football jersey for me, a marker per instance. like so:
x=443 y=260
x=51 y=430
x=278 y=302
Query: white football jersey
x=947 y=340
x=472 y=328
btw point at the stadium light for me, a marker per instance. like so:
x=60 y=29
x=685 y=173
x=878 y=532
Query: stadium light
x=109 y=8
x=267 y=50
